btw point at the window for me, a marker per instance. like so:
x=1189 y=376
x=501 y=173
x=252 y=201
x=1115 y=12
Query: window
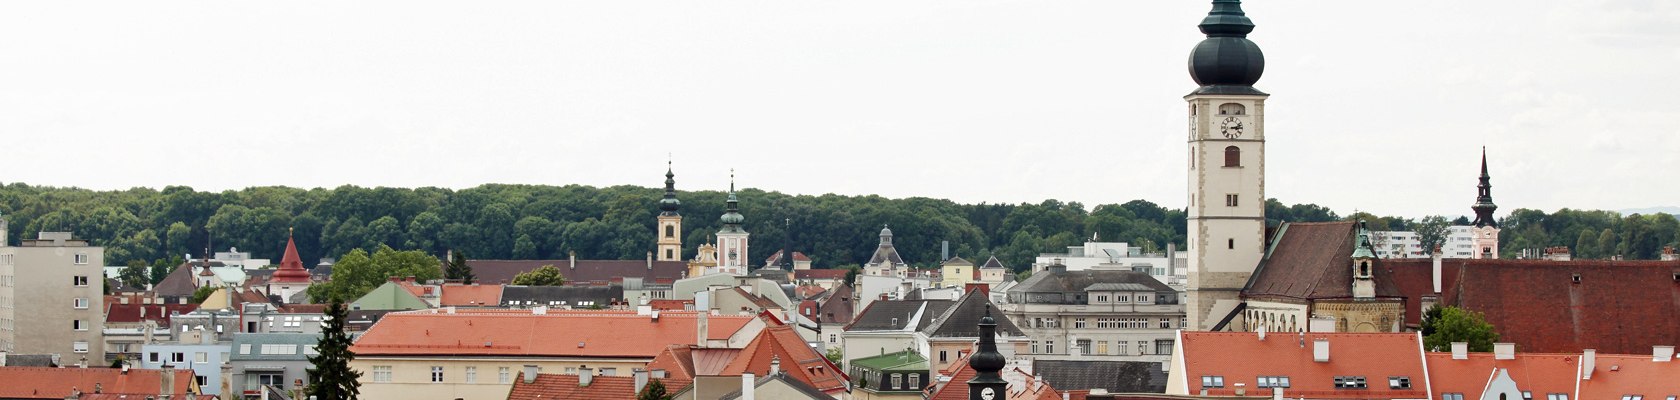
x=1231 y=109
x=1084 y=346
x=201 y=357
x=245 y=348
x=178 y=357
x=1166 y=323
x=942 y=356
x=1233 y=157
x=1350 y=382
x=503 y=375
x=437 y=374
x=1121 y=346
x=1557 y=396
x=80 y=303
x=381 y=373
x=472 y=374
x=265 y=379
x=1527 y=395
x=152 y=357
x=670 y=231
x=1163 y=346
x=1143 y=347
x=1399 y=382
x=1633 y=397
x=1079 y=323
x=832 y=338
x=79 y=325
x=668 y=254
x=1231 y=244
x=897 y=381
x=201 y=380
x=1272 y=382
x=279 y=349
x=1213 y=381
x=1452 y=396
x=916 y=382
x=1050 y=346
x=1230 y=200
x=79 y=280
x=1102 y=347
x=81 y=259
x=79 y=347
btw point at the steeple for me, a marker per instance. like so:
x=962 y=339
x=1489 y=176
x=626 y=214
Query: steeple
x=668 y=206
x=988 y=383
x=1227 y=62
x=1484 y=198
x=291 y=266
x=732 y=218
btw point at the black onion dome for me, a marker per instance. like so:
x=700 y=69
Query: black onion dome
x=669 y=205
x=1227 y=62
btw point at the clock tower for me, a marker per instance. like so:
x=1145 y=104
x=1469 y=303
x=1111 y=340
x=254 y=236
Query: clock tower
x=1227 y=145
x=732 y=240
x=670 y=222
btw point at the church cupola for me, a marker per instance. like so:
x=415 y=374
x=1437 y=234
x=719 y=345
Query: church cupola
x=668 y=206
x=1363 y=257
x=1227 y=62
x=732 y=218
x=1484 y=206
x=732 y=239
x=669 y=221
x=988 y=383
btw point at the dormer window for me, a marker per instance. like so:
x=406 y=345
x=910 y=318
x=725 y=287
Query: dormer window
x=1231 y=109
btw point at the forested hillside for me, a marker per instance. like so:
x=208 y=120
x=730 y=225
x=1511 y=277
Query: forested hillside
x=527 y=221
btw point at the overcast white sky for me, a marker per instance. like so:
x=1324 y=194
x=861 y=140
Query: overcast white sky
x=1376 y=106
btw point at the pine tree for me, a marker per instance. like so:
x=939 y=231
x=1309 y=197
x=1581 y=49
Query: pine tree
x=458 y=268
x=334 y=380
x=655 y=390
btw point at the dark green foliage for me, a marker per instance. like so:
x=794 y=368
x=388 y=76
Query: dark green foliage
x=202 y=293
x=546 y=275
x=134 y=275
x=655 y=390
x=458 y=268
x=332 y=378
x=358 y=273
x=1443 y=326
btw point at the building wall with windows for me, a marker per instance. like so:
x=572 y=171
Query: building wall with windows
x=1460 y=243
x=51 y=298
x=205 y=361
x=1116 y=316
x=386 y=377
x=277 y=359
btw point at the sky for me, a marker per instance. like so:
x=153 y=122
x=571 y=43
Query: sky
x=1376 y=106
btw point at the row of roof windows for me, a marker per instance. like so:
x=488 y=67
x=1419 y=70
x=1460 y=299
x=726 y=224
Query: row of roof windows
x=1342 y=382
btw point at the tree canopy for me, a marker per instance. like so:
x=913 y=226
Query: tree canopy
x=357 y=273
x=546 y=275
x=1442 y=326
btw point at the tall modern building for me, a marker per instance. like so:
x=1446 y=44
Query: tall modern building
x=1227 y=224
x=732 y=239
x=51 y=297
x=670 y=222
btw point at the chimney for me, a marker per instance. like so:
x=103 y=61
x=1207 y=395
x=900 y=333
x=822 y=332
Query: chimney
x=1589 y=360
x=776 y=364
x=701 y=328
x=1262 y=332
x=530 y=374
x=166 y=382
x=571 y=259
x=1662 y=353
x=586 y=376
x=641 y=380
x=1435 y=272
x=124 y=300
x=1461 y=350
x=1504 y=351
x=539 y=310
x=1321 y=350
x=657 y=374
x=747 y=385
x=1277 y=393
x=1242 y=389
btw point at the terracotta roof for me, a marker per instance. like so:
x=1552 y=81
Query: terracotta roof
x=957 y=387
x=585 y=273
x=671 y=304
x=559 y=386
x=1538 y=373
x=520 y=332
x=117 y=313
x=471 y=295
x=1415 y=279
x=1020 y=388
x=291 y=267
x=798 y=360
x=777 y=256
x=808 y=291
x=837 y=308
x=1619 y=307
x=687 y=361
x=815 y=274
x=56 y=383
x=304 y=308
x=1241 y=357
x=1616 y=375
x=1311 y=260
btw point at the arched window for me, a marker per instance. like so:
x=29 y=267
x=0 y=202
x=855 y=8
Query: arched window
x=1233 y=156
x=1231 y=109
x=670 y=230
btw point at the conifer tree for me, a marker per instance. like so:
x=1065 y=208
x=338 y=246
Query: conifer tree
x=334 y=380
x=655 y=390
x=458 y=269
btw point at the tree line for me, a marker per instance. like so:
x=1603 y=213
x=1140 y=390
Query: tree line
x=152 y=226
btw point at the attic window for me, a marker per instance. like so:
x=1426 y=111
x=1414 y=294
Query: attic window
x=1350 y=382
x=1272 y=382
x=1576 y=278
x=1209 y=381
x=1557 y=396
x=1452 y=396
x=1399 y=382
x=1527 y=395
x=1633 y=397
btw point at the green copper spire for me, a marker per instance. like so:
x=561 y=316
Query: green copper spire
x=1362 y=246
x=668 y=206
x=732 y=218
x=1227 y=62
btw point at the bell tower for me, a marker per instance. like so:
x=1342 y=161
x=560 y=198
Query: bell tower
x=1486 y=228
x=670 y=222
x=1227 y=145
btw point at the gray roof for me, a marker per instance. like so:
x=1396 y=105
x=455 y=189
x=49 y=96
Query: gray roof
x=1077 y=281
x=963 y=319
x=992 y=263
x=542 y=295
x=30 y=360
x=886 y=315
x=837 y=306
x=256 y=340
x=1119 y=287
x=886 y=254
x=1114 y=376
x=177 y=283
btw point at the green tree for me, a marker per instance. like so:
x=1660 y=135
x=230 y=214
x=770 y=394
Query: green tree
x=546 y=275
x=655 y=390
x=163 y=267
x=357 y=273
x=134 y=275
x=203 y=292
x=333 y=379
x=1443 y=326
x=1432 y=232
x=458 y=268
x=834 y=355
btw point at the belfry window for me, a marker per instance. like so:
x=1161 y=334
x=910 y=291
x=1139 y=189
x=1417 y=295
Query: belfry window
x=1231 y=109
x=670 y=231
x=1233 y=156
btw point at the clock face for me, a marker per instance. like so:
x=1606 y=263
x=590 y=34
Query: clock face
x=1231 y=127
x=987 y=394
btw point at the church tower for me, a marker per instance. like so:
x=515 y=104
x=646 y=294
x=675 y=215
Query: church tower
x=1227 y=223
x=670 y=222
x=732 y=240
x=1486 y=229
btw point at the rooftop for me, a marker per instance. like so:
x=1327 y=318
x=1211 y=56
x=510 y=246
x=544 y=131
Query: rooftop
x=523 y=333
x=1242 y=357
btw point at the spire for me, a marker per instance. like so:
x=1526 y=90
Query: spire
x=1484 y=206
x=732 y=218
x=668 y=206
x=988 y=383
x=291 y=266
x=787 y=245
x=1227 y=62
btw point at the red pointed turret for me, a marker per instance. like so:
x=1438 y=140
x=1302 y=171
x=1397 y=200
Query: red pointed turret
x=291 y=267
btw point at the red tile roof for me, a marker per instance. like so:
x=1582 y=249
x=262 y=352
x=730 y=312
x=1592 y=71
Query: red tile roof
x=291 y=266
x=471 y=295
x=56 y=383
x=957 y=387
x=686 y=362
x=519 y=332
x=798 y=360
x=671 y=305
x=1310 y=260
x=584 y=272
x=1619 y=307
x=808 y=291
x=1538 y=373
x=1616 y=375
x=777 y=256
x=1241 y=357
x=118 y=313
x=558 y=386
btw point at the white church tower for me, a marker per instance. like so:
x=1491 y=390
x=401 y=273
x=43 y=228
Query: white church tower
x=1227 y=222
x=732 y=240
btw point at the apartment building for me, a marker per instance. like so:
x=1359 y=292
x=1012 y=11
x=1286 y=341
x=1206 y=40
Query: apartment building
x=1096 y=314
x=51 y=297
